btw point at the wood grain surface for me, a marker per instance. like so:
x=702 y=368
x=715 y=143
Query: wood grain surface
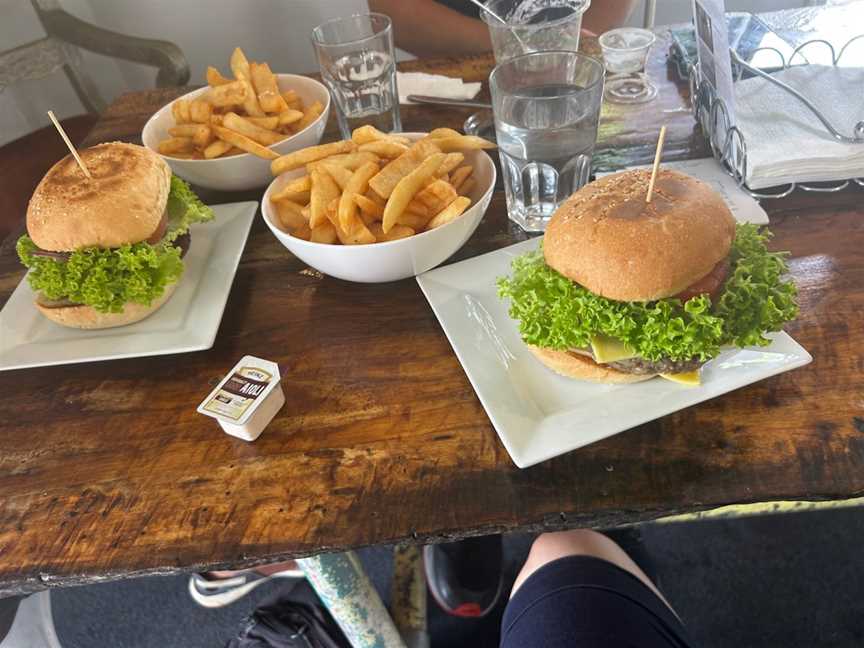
x=107 y=471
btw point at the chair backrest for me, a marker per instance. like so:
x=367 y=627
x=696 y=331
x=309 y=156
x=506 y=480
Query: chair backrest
x=60 y=50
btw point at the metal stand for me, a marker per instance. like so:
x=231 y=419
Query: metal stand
x=344 y=588
x=727 y=142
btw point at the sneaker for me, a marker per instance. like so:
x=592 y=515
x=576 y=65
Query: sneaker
x=465 y=577
x=214 y=592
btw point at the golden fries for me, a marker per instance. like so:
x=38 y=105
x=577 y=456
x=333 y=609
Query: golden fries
x=303 y=157
x=450 y=213
x=263 y=136
x=229 y=94
x=270 y=123
x=384 y=148
x=357 y=193
x=217 y=149
x=407 y=187
x=180 y=111
x=249 y=108
x=310 y=114
x=264 y=82
x=174 y=145
x=244 y=143
x=324 y=190
x=324 y=233
x=200 y=111
x=357 y=183
x=461 y=175
x=396 y=232
x=289 y=116
x=462 y=142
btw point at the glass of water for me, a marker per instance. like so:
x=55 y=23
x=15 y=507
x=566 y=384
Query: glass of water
x=546 y=107
x=534 y=26
x=357 y=64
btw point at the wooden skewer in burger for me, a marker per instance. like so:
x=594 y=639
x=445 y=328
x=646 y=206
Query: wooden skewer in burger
x=107 y=228
x=643 y=274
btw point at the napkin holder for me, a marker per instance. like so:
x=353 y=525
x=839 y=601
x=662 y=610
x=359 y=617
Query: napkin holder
x=728 y=144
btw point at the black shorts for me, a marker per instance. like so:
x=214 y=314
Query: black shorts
x=586 y=602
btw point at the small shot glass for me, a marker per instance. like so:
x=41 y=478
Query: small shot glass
x=625 y=53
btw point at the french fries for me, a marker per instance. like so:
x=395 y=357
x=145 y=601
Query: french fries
x=256 y=133
x=244 y=114
x=355 y=192
x=244 y=143
x=303 y=157
x=450 y=213
x=357 y=183
x=407 y=187
x=324 y=190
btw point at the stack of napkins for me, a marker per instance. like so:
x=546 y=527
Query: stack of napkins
x=785 y=141
x=420 y=83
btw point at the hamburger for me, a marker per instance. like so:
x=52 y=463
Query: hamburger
x=107 y=251
x=622 y=290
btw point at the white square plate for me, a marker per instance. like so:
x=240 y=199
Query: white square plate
x=187 y=322
x=539 y=414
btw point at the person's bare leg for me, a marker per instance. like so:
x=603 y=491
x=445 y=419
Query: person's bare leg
x=579 y=542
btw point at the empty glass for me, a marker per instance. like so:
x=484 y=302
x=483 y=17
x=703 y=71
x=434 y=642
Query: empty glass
x=625 y=53
x=534 y=26
x=357 y=64
x=546 y=107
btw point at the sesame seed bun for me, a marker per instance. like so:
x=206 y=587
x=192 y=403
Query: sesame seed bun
x=122 y=203
x=606 y=238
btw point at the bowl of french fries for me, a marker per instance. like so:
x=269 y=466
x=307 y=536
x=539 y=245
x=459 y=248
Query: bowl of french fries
x=225 y=135
x=380 y=207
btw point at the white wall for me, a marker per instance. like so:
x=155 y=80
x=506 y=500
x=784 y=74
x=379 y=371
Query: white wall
x=276 y=31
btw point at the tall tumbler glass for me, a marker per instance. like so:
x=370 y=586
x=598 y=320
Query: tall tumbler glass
x=546 y=107
x=534 y=26
x=358 y=66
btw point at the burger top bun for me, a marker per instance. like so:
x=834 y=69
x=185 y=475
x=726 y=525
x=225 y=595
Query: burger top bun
x=606 y=238
x=122 y=203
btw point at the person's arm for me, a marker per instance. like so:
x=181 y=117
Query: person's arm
x=604 y=15
x=426 y=28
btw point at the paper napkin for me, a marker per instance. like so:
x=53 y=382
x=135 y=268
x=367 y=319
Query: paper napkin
x=785 y=141
x=435 y=85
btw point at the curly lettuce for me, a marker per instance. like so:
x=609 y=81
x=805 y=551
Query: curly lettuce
x=184 y=208
x=556 y=313
x=108 y=278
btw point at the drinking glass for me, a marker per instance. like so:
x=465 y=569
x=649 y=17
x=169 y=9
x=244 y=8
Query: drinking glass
x=546 y=107
x=625 y=53
x=534 y=26
x=357 y=64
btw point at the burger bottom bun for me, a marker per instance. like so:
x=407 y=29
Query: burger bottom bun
x=581 y=367
x=87 y=317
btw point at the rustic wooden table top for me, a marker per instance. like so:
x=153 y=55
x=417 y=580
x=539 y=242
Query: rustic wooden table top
x=106 y=470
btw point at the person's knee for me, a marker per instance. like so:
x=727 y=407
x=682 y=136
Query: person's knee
x=578 y=542
x=549 y=547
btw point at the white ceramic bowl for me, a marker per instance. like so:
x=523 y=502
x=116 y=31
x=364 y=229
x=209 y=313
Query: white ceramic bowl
x=244 y=171
x=392 y=260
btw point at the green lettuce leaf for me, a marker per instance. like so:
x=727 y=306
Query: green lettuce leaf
x=104 y=278
x=184 y=208
x=554 y=312
x=108 y=278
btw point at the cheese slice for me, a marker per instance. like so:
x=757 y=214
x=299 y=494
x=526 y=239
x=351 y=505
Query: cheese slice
x=608 y=349
x=690 y=378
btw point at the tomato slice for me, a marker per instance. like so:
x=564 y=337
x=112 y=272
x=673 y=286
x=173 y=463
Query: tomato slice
x=710 y=284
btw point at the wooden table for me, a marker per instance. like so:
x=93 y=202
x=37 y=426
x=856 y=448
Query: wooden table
x=107 y=471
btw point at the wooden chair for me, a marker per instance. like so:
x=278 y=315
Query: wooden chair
x=26 y=160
